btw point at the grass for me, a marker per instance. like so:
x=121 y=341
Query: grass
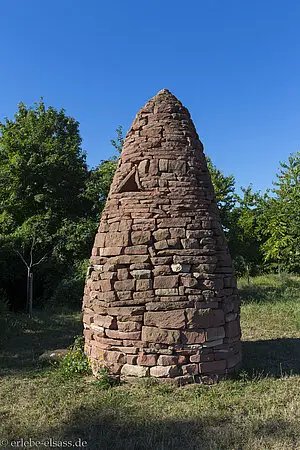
x=257 y=410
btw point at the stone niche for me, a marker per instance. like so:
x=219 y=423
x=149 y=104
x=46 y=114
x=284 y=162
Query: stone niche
x=160 y=296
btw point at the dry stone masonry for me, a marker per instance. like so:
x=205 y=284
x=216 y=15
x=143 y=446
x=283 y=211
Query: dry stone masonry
x=160 y=296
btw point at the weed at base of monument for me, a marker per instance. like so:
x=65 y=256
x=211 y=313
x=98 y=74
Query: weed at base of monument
x=75 y=362
x=105 y=380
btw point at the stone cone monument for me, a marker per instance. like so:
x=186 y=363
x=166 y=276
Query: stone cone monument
x=160 y=296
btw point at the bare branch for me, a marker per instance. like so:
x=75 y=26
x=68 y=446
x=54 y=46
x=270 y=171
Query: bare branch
x=40 y=261
x=21 y=256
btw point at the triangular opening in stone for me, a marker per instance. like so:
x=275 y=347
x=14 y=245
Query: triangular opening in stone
x=129 y=183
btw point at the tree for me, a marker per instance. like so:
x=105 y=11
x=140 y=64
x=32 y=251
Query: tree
x=43 y=177
x=244 y=235
x=281 y=222
x=224 y=187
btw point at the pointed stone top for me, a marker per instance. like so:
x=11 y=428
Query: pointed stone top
x=165 y=93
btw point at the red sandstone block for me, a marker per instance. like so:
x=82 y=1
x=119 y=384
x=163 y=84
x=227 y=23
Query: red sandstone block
x=172 y=223
x=95 y=251
x=99 y=308
x=103 y=227
x=159 y=261
x=125 y=225
x=161 y=235
x=146 y=359
x=125 y=285
x=132 y=259
x=149 y=294
x=140 y=237
x=105 y=285
x=177 y=233
x=133 y=343
x=117 y=238
x=212 y=367
x=217 y=317
x=100 y=240
x=156 y=335
x=143 y=225
x=191 y=369
x=141 y=274
x=123 y=274
x=215 y=333
x=106 y=297
x=115 y=334
x=129 y=326
x=106 y=321
x=87 y=334
x=101 y=342
x=193 y=337
x=160 y=245
x=136 y=250
x=127 y=350
x=110 y=251
x=144 y=285
x=167 y=360
x=167 y=304
x=112 y=356
x=198 y=318
x=232 y=329
x=96 y=353
x=132 y=359
x=161 y=270
x=108 y=276
x=167 y=292
x=166 y=282
x=124 y=295
x=95 y=285
x=134 y=370
x=174 y=319
x=163 y=371
x=188 y=281
x=88 y=318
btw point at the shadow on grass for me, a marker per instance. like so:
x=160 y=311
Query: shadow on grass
x=112 y=429
x=26 y=339
x=274 y=357
x=270 y=289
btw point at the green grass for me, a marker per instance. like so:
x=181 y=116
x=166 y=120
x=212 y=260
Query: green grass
x=257 y=410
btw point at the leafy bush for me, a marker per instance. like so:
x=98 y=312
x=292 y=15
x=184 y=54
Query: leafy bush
x=75 y=362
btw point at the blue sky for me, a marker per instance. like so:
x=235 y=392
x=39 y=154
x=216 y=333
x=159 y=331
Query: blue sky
x=234 y=64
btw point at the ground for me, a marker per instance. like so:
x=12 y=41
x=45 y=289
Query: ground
x=259 y=409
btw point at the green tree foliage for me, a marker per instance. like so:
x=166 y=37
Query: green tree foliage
x=281 y=220
x=45 y=210
x=224 y=187
x=244 y=235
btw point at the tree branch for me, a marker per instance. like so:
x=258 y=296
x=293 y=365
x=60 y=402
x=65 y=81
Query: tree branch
x=21 y=256
x=40 y=261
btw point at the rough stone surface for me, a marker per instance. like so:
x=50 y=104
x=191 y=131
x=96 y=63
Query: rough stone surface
x=160 y=296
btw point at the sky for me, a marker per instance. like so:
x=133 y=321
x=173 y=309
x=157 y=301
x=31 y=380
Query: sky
x=235 y=64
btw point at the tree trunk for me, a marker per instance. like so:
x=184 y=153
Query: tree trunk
x=30 y=295
x=28 y=289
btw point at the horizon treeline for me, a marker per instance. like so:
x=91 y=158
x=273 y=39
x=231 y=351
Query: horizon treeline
x=51 y=202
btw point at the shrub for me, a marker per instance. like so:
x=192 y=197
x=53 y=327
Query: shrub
x=75 y=362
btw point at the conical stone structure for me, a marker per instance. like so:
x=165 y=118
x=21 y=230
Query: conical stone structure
x=160 y=296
